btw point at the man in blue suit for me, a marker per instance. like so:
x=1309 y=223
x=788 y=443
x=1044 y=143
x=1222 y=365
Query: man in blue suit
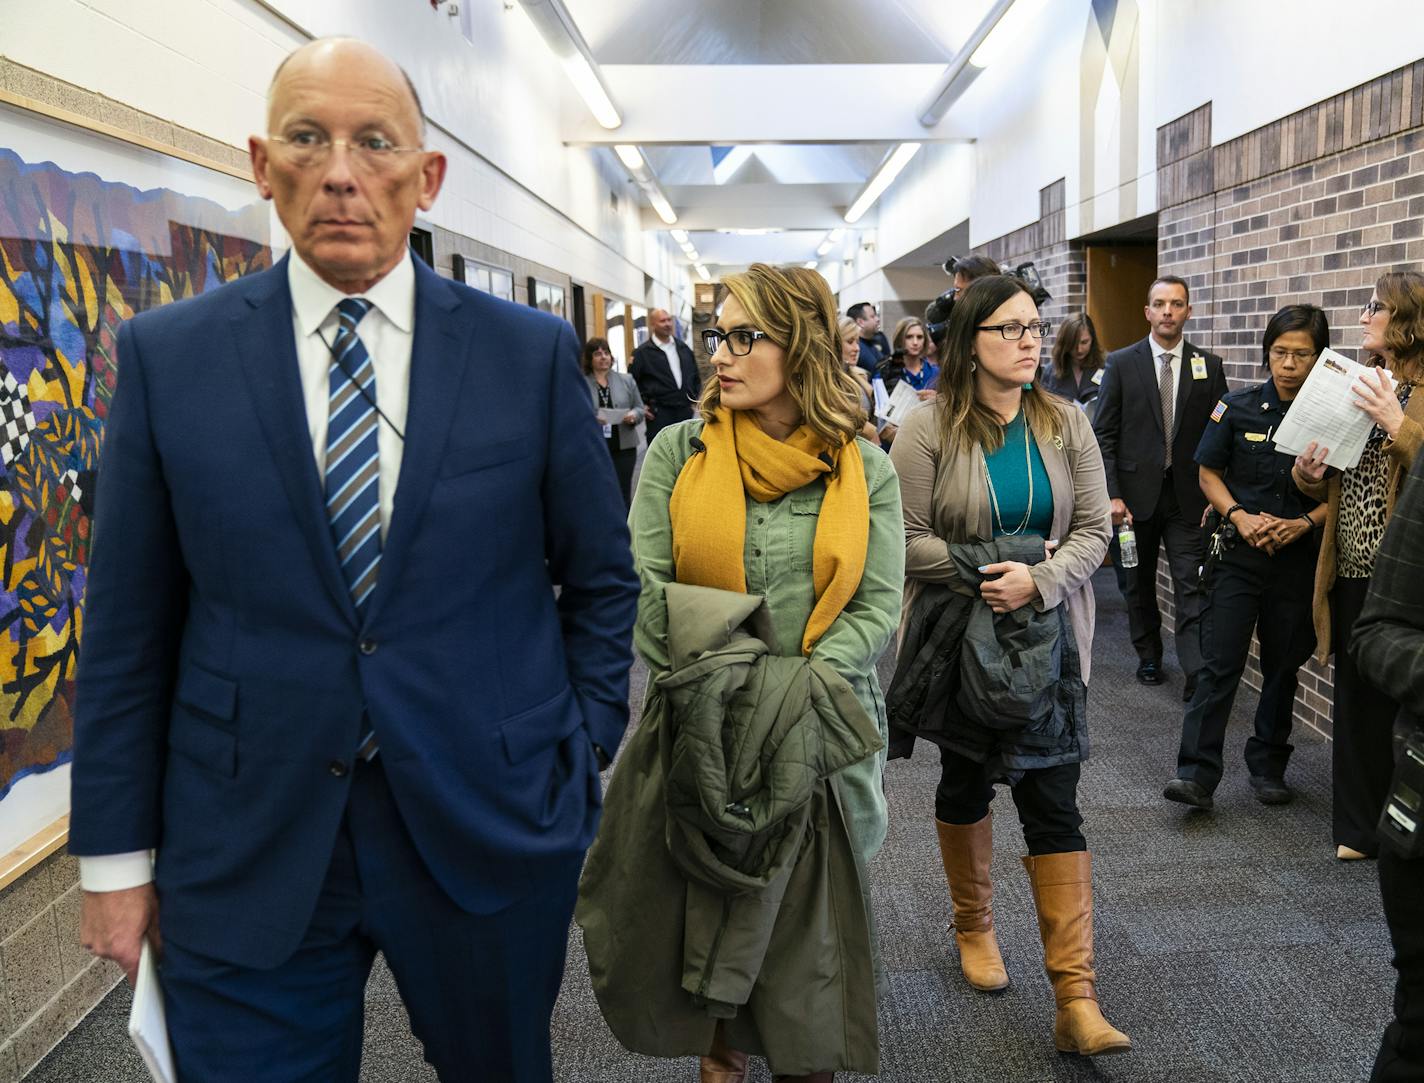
x=326 y=677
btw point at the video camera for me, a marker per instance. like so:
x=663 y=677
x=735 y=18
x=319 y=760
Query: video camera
x=937 y=314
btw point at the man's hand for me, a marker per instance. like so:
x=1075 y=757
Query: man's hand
x=1120 y=514
x=1014 y=587
x=648 y=412
x=114 y=924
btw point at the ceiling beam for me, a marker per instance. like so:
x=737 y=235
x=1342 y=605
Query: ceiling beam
x=728 y=105
x=756 y=206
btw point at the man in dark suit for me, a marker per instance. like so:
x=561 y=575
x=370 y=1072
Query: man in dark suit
x=325 y=675
x=874 y=346
x=1156 y=399
x=666 y=374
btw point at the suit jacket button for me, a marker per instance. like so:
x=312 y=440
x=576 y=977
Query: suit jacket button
x=337 y=768
x=368 y=646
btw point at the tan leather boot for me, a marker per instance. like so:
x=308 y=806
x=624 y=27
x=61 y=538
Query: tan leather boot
x=723 y=1064
x=1063 y=895
x=967 y=850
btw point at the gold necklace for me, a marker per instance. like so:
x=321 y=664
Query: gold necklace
x=994 y=496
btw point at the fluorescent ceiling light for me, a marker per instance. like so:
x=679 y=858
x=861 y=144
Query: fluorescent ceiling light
x=680 y=236
x=810 y=265
x=1006 y=35
x=825 y=247
x=835 y=235
x=629 y=155
x=703 y=273
x=662 y=206
x=590 y=88
x=973 y=55
x=762 y=232
x=883 y=178
x=692 y=254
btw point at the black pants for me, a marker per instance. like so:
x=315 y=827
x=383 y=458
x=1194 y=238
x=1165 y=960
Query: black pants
x=1401 y=1055
x=1270 y=595
x=624 y=459
x=1047 y=800
x=1185 y=553
x=1362 y=753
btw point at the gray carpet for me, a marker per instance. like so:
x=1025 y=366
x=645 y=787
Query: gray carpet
x=1232 y=947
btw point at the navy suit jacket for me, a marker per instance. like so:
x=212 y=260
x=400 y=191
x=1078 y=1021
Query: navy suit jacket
x=225 y=677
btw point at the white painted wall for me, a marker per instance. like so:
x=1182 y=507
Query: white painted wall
x=205 y=64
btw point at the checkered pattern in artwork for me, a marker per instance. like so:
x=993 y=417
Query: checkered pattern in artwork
x=17 y=420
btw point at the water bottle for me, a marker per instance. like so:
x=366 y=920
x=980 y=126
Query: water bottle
x=1127 y=545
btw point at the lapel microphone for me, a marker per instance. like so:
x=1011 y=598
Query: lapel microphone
x=356 y=384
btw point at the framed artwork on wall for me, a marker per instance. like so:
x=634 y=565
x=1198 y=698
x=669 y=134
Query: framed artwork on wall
x=493 y=280
x=92 y=231
x=547 y=297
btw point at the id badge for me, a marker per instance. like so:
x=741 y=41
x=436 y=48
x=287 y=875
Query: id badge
x=1097 y=376
x=608 y=432
x=1198 y=367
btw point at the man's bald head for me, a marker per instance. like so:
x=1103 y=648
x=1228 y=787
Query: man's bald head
x=660 y=322
x=342 y=53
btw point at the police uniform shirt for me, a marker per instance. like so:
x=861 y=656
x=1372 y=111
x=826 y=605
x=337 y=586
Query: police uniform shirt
x=1237 y=442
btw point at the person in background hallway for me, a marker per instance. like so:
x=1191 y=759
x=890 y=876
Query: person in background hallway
x=907 y=361
x=850 y=357
x=1153 y=407
x=615 y=390
x=1262 y=580
x=345 y=730
x=997 y=459
x=969 y=268
x=1076 y=369
x=666 y=374
x=770 y=493
x=1360 y=502
x=1389 y=651
x=874 y=346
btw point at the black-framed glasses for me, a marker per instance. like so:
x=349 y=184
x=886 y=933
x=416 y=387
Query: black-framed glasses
x=1372 y=307
x=1279 y=353
x=306 y=149
x=1013 y=330
x=739 y=340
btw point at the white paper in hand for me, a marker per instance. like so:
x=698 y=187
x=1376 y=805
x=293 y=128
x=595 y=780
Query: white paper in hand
x=148 y=1026
x=1324 y=412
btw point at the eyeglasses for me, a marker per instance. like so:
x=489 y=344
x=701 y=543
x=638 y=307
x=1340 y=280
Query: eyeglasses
x=739 y=342
x=1279 y=353
x=1372 y=307
x=307 y=150
x=1013 y=330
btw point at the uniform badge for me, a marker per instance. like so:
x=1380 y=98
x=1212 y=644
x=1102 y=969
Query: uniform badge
x=1220 y=410
x=1198 y=367
x=1254 y=437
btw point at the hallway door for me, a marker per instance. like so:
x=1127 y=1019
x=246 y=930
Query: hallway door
x=1119 y=275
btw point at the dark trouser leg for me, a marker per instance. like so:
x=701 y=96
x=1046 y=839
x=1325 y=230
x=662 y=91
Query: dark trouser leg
x=962 y=796
x=1185 y=554
x=480 y=988
x=1047 y=802
x=1119 y=572
x=624 y=460
x=1287 y=635
x=1362 y=751
x=1232 y=607
x=1401 y=1055
x=1144 y=619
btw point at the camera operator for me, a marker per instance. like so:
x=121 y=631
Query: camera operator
x=965 y=269
x=1389 y=650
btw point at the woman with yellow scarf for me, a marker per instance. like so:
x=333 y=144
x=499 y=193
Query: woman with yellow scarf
x=771 y=492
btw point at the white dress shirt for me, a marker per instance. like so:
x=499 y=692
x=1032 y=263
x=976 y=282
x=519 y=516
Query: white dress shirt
x=1176 y=351
x=388 y=333
x=669 y=347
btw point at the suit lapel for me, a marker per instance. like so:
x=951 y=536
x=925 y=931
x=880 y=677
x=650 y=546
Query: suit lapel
x=267 y=346
x=439 y=357
x=1184 y=385
x=1147 y=368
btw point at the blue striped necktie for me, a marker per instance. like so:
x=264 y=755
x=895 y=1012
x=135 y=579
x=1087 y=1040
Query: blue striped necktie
x=352 y=461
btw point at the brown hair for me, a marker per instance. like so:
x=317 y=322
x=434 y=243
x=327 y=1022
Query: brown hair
x=903 y=328
x=964 y=420
x=1403 y=292
x=1065 y=345
x=591 y=347
x=794 y=306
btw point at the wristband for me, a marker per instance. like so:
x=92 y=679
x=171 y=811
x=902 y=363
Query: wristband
x=1232 y=510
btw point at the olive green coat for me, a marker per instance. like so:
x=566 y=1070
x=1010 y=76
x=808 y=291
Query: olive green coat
x=777 y=558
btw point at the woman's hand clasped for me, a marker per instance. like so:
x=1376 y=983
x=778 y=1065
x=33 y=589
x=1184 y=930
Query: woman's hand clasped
x=1013 y=589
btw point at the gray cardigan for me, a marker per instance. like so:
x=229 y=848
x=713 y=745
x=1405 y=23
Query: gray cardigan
x=625 y=394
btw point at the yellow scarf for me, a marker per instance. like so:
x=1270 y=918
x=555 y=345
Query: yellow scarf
x=709 y=512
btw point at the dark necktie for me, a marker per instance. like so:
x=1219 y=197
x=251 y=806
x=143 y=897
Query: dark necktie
x=1164 y=385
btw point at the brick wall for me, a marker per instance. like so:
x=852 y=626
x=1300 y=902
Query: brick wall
x=1312 y=208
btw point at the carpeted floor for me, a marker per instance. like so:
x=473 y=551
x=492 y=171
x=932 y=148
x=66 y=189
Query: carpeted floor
x=1231 y=946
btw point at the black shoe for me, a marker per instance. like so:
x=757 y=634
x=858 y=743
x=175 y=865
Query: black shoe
x=1149 y=672
x=1271 y=791
x=1189 y=688
x=1187 y=792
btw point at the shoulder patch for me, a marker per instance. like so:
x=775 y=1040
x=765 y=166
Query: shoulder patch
x=1220 y=410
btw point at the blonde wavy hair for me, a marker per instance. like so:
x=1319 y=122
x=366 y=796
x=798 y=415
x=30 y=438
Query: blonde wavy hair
x=794 y=306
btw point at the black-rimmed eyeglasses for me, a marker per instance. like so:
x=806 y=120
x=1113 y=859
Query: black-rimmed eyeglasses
x=1013 y=330
x=739 y=341
x=1372 y=307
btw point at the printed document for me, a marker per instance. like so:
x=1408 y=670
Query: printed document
x=148 y=1026
x=902 y=400
x=1324 y=411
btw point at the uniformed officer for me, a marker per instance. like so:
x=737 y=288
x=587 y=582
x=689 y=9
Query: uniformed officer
x=1262 y=582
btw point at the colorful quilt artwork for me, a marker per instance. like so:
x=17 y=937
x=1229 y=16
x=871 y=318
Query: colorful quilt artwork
x=78 y=256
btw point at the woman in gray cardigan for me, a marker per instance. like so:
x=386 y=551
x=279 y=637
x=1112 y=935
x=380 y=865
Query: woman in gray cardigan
x=996 y=456
x=611 y=391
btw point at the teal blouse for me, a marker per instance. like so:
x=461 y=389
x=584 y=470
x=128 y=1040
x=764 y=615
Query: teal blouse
x=1009 y=476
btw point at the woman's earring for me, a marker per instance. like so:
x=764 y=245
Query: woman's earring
x=973 y=364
